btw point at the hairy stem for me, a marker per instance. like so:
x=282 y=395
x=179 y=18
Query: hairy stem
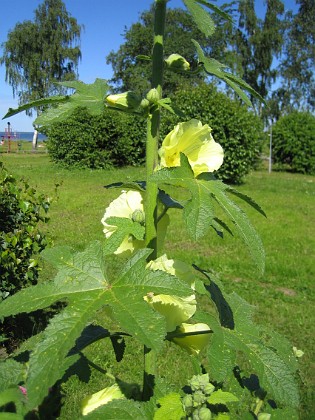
x=150 y=204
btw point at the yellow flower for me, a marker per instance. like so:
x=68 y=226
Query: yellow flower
x=196 y=142
x=175 y=309
x=130 y=205
x=193 y=343
x=100 y=398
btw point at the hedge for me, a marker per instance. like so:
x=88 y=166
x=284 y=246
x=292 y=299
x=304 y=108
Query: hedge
x=118 y=139
x=293 y=142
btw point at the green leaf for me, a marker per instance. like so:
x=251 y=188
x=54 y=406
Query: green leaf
x=125 y=227
x=120 y=409
x=91 y=96
x=82 y=283
x=11 y=395
x=270 y=364
x=199 y=211
x=173 y=109
x=11 y=416
x=216 y=9
x=171 y=408
x=34 y=104
x=202 y=19
x=242 y=224
x=247 y=199
x=11 y=373
x=221 y=397
x=214 y=67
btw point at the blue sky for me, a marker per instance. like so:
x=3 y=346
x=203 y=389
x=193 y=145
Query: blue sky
x=104 y=22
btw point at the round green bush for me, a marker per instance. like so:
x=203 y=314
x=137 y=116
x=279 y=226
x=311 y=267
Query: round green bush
x=238 y=130
x=293 y=142
x=118 y=139
x=22 y=210
x=110 y=139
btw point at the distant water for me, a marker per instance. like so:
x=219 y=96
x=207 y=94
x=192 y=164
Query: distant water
x=23 y=135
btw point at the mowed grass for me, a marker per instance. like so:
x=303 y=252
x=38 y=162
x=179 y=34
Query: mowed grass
x=284 y=296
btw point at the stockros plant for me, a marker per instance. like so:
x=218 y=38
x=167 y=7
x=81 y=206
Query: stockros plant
x=242 y=370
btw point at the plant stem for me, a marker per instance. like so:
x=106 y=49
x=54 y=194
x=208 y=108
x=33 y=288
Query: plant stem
x=150 y=204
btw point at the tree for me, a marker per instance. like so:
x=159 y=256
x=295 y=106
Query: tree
x=297 y=68
x=41 y=52
x=131 y=73
x=257 y=42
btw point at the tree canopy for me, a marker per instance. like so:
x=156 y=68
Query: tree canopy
x=132 y=73
x=298 y=65
x=41 y=52
x=273 y=53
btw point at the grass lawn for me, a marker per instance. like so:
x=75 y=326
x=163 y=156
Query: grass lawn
x=284 y=296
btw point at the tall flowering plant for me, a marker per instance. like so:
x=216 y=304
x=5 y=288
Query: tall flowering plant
x=154 y=298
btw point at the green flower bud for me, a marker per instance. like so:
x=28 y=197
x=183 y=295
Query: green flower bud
x=138 y=216
x=145 y=104
x=208 y=389
x=176 y=63
x=199 y=398
x=125 y=101
x=153 y=96
x=204 y=413
x=188 y=401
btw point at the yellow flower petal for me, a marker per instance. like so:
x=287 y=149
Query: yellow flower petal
x=100 y=398
x=125 y=205
x=196 y=142
x=193 y=343
x=175 y=309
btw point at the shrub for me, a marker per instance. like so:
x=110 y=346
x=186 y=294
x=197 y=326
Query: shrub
x=239 y=131
x=97 y=141
x=293 y=142
x=118 y=139
x=21 y=211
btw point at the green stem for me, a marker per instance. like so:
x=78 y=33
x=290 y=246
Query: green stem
x=150 y=205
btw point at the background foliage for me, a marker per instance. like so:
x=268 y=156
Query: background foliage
x=21 y=211
x=118 y=139
x=97 y=141
x=239 y=131
x=40 y=52
x=293 y=139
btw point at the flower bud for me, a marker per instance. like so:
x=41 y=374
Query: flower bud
x=127 y=101
x=153 y=96
x=188 y=401
x=138 y=216
x=204 y=413
x=176 y=63
x=193 y=343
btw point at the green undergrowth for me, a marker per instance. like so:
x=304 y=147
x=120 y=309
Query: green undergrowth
x=283 y=296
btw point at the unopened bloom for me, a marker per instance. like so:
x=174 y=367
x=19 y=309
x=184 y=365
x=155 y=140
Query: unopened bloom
x=193 y=343
x=176 y=62
x=100 y=398
x=175 y=309
x=126 y=101
x=196 y=142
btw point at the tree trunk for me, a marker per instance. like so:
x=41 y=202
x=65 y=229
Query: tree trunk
x=35 y=137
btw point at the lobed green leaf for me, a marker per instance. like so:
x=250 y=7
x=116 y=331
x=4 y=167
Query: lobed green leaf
x=271 y=360
x=199 y=213
x=90 y=96
x=82 y=283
